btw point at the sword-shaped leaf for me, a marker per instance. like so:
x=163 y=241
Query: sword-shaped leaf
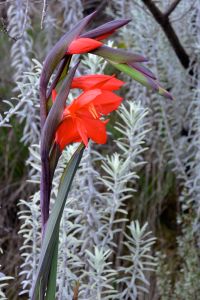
x=142 y=78
x=118 y=55
x=142 y=69
x=105 y=28
x=52 y=227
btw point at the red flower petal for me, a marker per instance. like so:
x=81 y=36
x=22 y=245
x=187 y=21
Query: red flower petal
x=100 y=81
x=83 y=100
x=67 y=133
x=80 y=125
x=83 y=45
x=96 y=130
x=54 y=94
x=107 y=102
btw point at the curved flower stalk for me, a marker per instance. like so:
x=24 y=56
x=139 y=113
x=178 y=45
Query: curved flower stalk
x=68 y=45
x=77 y=122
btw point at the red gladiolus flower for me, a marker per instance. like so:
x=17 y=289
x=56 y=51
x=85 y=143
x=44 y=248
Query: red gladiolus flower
x=99 y=81
x=81 y=119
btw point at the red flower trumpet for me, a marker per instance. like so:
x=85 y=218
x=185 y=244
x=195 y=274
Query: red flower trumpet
x=97 y=81
x=82 y=118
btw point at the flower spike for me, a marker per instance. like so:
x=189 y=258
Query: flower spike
x=53 y=59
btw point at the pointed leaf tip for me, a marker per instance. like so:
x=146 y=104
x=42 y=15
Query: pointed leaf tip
x=138 y=76
x=165 y=93
x=106 y=28
x=142 y=69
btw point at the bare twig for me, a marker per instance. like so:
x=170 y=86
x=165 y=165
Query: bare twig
x=173 y=20
x=164 y=22
x=171 y=8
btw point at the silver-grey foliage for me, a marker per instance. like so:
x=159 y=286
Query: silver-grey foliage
x=174 y=137
x=94 y=228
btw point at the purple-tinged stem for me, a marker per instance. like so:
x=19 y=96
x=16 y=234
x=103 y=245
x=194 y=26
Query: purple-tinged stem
x=45 y=189
x=65 y=62
x=47 y=139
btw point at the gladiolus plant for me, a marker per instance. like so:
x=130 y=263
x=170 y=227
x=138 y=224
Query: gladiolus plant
x=82 y=120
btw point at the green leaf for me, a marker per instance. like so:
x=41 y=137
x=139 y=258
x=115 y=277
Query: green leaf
x=51 y=286
x=142 y=78
x=136 y=75
x=52 y=227
x=118 y=55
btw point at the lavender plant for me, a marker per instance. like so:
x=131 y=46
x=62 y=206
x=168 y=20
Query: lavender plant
x=173 y=140
x=19 y=24
x=4 y=282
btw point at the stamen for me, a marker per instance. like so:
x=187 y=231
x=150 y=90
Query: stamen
x=93 y=111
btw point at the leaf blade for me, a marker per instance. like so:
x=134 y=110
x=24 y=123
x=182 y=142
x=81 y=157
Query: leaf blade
x=54 y=222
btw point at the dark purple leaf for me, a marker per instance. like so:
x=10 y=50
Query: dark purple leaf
x=106 y=28
x=142 y=69
x=55 y=115
x=118 y=55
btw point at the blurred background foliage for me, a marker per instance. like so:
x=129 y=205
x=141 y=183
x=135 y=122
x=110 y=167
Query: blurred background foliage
x=168 y=188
